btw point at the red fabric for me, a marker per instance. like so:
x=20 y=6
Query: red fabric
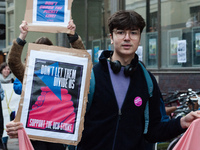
x=24 y=141
x=190 y=139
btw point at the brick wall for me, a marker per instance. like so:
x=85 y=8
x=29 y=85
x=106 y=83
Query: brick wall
x=181 y=82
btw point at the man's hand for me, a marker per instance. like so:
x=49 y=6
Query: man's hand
x=71 y=25
x=12 y=129
x=23 y=30
x=187 y=120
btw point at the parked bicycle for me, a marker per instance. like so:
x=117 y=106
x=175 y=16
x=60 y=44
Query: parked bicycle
x=185 y=102
x=189 y=101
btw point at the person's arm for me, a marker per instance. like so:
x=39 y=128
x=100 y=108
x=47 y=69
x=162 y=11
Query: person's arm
x=75 y=40
x=78 y=44
x=170 y=109
x=14 y=56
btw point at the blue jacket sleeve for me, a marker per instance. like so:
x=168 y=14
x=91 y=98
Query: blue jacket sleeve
x=1 y=92
x=17 y=86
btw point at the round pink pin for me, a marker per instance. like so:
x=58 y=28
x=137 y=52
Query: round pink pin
x=138 y=101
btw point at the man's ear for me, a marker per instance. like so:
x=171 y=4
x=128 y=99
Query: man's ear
x=111 y=38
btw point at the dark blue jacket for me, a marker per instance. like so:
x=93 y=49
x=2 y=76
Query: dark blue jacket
x=109 y=128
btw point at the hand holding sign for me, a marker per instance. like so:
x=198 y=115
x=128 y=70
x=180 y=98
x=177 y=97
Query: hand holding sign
x=48 y=16
x=71 y=25
x=24 y=28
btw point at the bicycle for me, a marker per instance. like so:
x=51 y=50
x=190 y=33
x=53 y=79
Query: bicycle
x=185 y=102
x=189 y=101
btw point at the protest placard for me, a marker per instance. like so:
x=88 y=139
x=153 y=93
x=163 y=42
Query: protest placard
x=48 y=15
x=54 y=94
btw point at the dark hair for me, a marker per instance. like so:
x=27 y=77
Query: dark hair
x=2 y=66
x=126 y=20
x=43 y=40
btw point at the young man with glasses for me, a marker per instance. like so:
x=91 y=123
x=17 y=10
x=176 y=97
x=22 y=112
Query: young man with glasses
x=115 y=120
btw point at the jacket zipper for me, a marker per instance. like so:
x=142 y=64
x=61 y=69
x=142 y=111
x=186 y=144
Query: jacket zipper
x=117 y=126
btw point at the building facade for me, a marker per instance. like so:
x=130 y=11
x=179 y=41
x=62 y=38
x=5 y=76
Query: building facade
x=2 y=30
x=15 y=11
x=170 y=42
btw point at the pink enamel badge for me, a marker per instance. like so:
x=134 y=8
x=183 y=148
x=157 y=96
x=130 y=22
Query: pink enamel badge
x=138 y=101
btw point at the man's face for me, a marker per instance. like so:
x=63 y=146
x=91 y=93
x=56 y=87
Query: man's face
x=125 y=42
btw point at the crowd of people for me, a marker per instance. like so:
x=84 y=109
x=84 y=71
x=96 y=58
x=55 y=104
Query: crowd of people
x=115 y=119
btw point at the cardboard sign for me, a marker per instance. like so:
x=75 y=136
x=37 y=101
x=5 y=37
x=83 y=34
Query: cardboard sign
x=54 y=94
x=48 y=15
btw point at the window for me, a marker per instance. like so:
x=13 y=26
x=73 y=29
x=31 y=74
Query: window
x=153 y=22
x=196 y=45
x=10 y=21
x=194 y=22
x=10 y=27
x=173 y=36
x=195 y=16
x=92 y=24
x=10 y=3
x=151 y=50
x=180 y=20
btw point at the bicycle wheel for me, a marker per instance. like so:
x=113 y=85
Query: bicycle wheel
x=173 y=143
x=155 y=146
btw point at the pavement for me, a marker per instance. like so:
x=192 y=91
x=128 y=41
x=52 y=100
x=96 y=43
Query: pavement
x=13 y=144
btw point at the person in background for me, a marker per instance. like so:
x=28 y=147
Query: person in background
x=17 y=87
x=5 y=77
x=5 y=74
x=17 y=67
x=14 y=57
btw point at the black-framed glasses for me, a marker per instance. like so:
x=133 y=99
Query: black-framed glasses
x=133 y=34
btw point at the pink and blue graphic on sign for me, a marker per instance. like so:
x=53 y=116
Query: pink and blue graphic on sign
x=54 y=96
x=51 y=10
x=138 y=101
